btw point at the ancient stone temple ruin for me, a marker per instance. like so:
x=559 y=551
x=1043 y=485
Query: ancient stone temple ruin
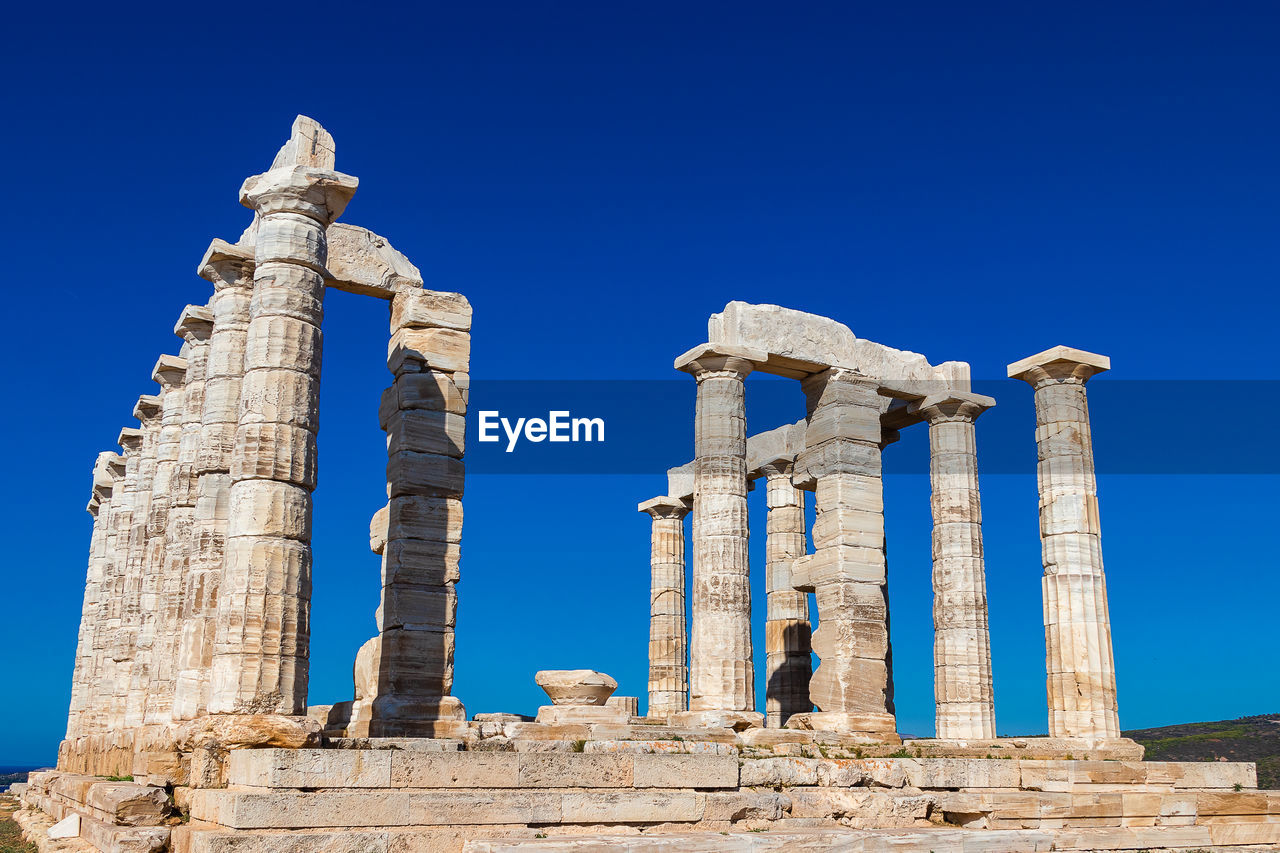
x=189 y=728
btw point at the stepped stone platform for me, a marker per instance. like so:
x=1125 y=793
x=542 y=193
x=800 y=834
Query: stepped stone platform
x=519 y=786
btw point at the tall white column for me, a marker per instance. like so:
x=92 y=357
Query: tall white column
x=965 y=705
x=787 y=630
x=668 y=641
x=127 y=702
x=1081 y=669
x=230 y=269
x=91 y=619
x=853 y=685
x=263 y=638
x=194 y=326
x=721 y=670
x=171 y=373
x=103 y=714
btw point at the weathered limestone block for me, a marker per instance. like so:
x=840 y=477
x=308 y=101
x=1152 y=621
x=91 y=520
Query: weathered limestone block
x=413 y=350
x=424 y=474
x=668 y=636
x=431 y=390
x=430 y=309
x=746 y=805
x=235 y=731
x=419 y=561
x=311 y=768
x=1081 y=670
x=787 y=630
x=721 y=674
x=962 y=646
x=853 y=685
x=129 y=804
x=425 y=431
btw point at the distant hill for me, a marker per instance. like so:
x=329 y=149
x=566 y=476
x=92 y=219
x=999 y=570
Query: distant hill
x=10 y=774
x=1255 y=739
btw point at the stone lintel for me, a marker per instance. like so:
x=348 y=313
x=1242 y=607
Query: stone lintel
x=697 y=358
x=1059 y=362
x=195 y=322
x=366 y=263
x=170 y=370
x=130 y=439
x=665 y=506
x=226 y=263
x=147 y=407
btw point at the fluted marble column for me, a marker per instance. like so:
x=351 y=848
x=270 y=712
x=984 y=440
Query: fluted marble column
x=965 y=707
x=260 y=654
x=1081 y=669
x=194 y=326
x=230 y=269
x=125 y=706
x=721 y=671
x=787 y=630
x=91 y=620
x=853 y=685
x=100 y=714
x=668 y=641
x=170 y=372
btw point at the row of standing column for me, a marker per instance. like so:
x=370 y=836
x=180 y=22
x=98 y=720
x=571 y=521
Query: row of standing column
x=841 y=463
x=198 y=588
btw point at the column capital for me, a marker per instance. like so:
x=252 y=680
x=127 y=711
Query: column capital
x=130 y=440
x=319 y=194
x=664 y=506
x=951 y=406
x=170 y=371
x=195 y=324
x=707 y=360
x=1059 y=364
x=227 y=265
x=779 y=466
x=147 y=408
x=103 y=477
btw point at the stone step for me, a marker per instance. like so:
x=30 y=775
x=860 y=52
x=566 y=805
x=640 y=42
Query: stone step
x=1227 y=838
x=1181 y=807
x=397 y=769
x=324 y=809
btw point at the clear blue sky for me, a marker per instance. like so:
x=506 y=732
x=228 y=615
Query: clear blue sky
x=970 y=181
